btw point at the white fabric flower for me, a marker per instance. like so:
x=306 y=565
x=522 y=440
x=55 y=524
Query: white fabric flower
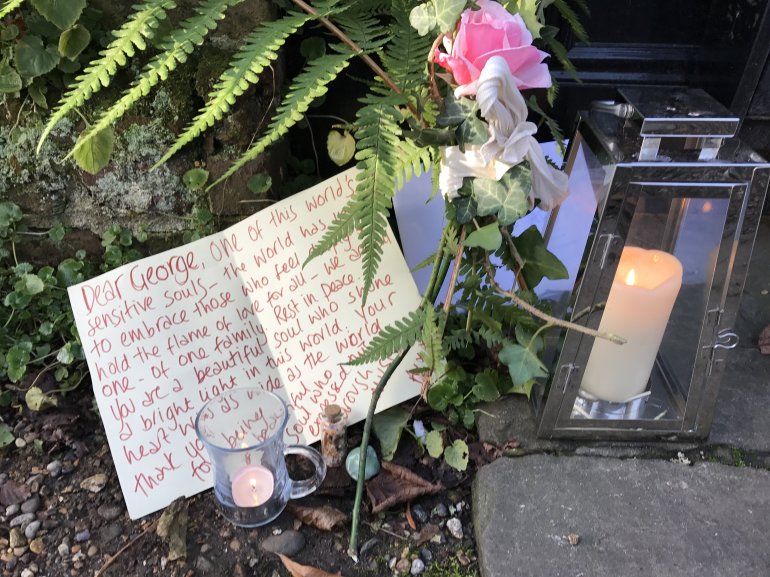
x=511 y=141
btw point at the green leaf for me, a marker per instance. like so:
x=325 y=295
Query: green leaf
x=388 y=426
x=95 y=153
x=341 y=147
x=17 y=359
x=313 y=47
x=486 y=388
x=538 y=261
x=487 y=237
x=465 y=209
x=456 y=110
x=73 y=41
x=523 y=364
x=10 y=81
x=62 y=13
x=32 y=284
x=9 y=32
x=472 y=130
x=434 y=443
x=69 y=272
x=456 y=455
x=396 y=337
x=259 y=183
x=195 y=178
x=489 y=195
x=517 y=182
x=33 y=59
x=433 y=352
x=423 y=18
x=528 y=11
x=37 y=400
x=440 y=394
x=35 y=91
x=9 y=7
x=6 y=436
x=10 y=214
x=447 y=13
x=56 y=232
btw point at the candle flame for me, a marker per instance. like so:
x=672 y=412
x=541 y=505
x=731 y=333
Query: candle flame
x=631 y=278
x=707 y=206
x=253 y=484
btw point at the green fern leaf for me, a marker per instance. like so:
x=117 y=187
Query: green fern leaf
x=173 y=51
x=552 y=125
x=394 y=338
x=130 y=37
x=433 y=352
x=572 y=19
x=309 y=85
x=260 y=49
x=9 y=7
x=406 y=57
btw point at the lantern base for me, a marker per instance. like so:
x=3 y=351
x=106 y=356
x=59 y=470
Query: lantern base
x=589 y=407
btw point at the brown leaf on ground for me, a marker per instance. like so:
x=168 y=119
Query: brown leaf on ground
x=336 y=484
x=396 y=484
x=764 y=341
x=298 y=570
x=409 y=518
x=325 y=518
x=13 y=493
x=425 y=534
x=172 y=526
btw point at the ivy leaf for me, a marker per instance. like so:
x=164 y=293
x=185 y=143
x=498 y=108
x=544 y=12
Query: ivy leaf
x=472 y=130
x=465 y=209
x=523 y=364
x=388 y=426
x=434 y=443
x=195 y=178
x=259 y=183
x=37 y=400
x=62 y=13
x=487 y=237
x=423 y=18
x=539 y=262
x=517 y=182
x=489 y=195
x=73 y=41
x=485 y=388
x=95 y=153
x=6 y=436
x=456 y=455
x=341 y=147
x=33 y=59
x=456 y=110
x=447 y=13
x=10 y=81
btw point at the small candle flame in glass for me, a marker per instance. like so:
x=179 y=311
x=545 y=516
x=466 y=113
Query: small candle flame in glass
x=631 y=278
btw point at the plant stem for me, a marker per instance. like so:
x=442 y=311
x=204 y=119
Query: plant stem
x=534 y=311
x=516 y=256
x=455 y=271
x=359 y=51
x=353 y=545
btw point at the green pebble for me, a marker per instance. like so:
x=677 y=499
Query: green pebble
x=372 y=463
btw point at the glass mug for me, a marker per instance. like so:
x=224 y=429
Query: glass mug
x=242 y=431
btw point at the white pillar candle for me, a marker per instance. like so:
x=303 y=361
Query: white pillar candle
x=643 y=292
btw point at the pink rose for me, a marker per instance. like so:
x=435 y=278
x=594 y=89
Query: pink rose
x=493 y=31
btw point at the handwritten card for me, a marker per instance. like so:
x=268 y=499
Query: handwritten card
x=165 y=334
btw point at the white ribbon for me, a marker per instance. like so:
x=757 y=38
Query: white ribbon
x=510 y=142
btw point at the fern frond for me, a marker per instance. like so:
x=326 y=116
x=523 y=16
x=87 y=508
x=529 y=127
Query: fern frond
x=341 y=227
x=491 y=337
x=458 y=339
x=392 y=339
x=433 y=352
x=552 y=125
x=173 y=51
x=309 y=85
x=560 y=52
x=130 y=37
x=260 y=49
x=9 y=7
x=572 y=19
x=406 y=57
x=364 y=29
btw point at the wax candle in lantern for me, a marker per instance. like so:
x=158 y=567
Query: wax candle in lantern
x=252 y=486
x=643 y=292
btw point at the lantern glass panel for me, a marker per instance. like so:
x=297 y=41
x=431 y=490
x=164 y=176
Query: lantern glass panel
x=659 y=289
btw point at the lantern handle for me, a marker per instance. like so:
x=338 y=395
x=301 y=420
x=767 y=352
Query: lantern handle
x=619 y=109
x=726 y=339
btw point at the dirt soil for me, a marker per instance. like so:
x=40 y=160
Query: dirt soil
x=63 y=514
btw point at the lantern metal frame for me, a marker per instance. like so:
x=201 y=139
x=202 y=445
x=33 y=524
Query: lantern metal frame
x=656 y=147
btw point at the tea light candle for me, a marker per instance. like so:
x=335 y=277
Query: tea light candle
x=252 y=486
x=643 y=293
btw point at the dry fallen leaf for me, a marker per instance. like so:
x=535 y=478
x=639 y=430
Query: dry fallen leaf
x=13 y=493
x=409 y=518
x=298 y=570
x=325 y=518
x=764 y=341
x=396 y=484
x=172 y=526
x=425 y=534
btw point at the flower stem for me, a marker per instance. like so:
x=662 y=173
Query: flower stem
x=355 y=517
x=534 y=311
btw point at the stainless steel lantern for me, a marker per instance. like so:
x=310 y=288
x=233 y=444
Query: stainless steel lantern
x=656 y=234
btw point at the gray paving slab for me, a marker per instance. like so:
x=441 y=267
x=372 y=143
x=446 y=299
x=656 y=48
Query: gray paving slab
x=633 y=517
